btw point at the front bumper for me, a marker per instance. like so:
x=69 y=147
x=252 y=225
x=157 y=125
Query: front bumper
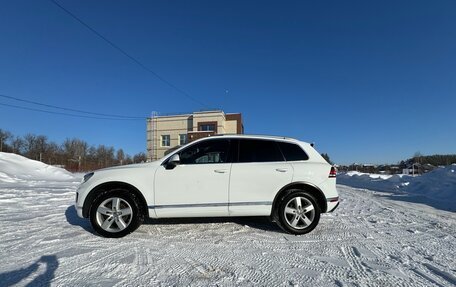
x=78 y=210
x=77 y=207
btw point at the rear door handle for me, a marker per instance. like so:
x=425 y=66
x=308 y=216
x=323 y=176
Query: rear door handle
x=282 y=169
x=220 y=170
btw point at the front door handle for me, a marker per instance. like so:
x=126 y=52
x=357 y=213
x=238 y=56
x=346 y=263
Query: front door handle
x=220 y=170
x=282 y=169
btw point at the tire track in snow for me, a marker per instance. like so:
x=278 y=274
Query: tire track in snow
x=368 y=241
x=442 y=274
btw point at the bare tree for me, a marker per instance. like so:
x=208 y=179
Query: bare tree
x=41 y=146
x=105 y=156
x=30 y=146
x=53 y=154
x=4 y=136
x=17 y=144
x=120 y=156
x=75 y=151
x=75 y=148
x=139 y=157
x=128 y=159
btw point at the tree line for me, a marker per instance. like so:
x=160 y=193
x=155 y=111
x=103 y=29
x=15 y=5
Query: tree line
x=73 y=154
x=435 y=160
x=418 y=162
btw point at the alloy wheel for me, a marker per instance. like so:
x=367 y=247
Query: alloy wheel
x=114 y=214
x=299 y=212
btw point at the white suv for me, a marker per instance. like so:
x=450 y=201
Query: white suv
x=218 y=176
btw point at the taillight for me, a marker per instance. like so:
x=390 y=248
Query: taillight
x=333 y=172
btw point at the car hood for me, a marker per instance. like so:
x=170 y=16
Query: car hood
x=131 y=166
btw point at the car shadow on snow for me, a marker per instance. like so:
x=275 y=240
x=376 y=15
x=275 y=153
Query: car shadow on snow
x=14 y=277
x=73 y=219
x=261 y=223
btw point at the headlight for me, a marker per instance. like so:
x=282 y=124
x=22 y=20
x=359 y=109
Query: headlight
x=87 y=177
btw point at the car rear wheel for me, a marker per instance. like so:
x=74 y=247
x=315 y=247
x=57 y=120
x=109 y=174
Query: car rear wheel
x=298 y=212
x=115 y=213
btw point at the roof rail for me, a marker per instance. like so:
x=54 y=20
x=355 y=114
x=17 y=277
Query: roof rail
x=252 y=135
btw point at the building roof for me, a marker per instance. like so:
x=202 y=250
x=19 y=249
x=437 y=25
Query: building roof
x=188 y=114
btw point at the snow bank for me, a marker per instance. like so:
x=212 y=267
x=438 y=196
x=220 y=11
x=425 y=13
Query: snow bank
x=15 y=168
x=378 y=182
x=439 y=184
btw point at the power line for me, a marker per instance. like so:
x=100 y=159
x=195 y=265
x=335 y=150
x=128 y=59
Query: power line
x=67 y=114
x=112 y=44
x=69 y=109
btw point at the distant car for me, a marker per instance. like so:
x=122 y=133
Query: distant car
x=218 y=176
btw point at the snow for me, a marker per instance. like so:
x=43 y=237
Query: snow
x=436 y=188
x=370 y=240
x=15 y=168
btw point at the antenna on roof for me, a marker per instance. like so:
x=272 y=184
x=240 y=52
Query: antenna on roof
x=312 y=144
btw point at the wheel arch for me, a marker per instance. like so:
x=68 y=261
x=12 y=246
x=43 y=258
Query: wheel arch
x=305 y=186
x=111 y=185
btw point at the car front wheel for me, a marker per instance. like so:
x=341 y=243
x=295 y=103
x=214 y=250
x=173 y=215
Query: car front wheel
x=115 y=213
x=298 y=212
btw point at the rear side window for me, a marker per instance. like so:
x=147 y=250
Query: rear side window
x=292 y=152
x=251 y=150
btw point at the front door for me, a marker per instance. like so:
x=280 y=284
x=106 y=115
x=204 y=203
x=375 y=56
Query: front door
x=198 y=185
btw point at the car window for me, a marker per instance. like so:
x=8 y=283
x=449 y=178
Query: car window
x=292 y=152
x=252 y=150
x=209 y=151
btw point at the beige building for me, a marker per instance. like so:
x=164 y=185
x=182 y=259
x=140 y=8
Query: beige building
x=168 y=132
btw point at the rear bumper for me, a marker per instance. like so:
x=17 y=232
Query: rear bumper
x=332 y=204
x=334 y=208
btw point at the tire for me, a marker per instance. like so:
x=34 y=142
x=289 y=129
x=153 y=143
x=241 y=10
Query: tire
x=115 y=213
x=298 y=212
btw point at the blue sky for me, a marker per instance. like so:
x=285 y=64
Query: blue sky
x=368 y=81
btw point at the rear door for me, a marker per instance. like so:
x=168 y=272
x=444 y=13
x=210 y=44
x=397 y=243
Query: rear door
x=258 y=174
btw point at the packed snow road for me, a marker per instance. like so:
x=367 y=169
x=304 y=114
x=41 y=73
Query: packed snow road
x=370 y=240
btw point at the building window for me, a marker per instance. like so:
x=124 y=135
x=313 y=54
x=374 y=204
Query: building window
x=165 y=140
x=207 y=127
x=182 y=139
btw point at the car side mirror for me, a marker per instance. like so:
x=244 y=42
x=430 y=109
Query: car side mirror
x=173 y=161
